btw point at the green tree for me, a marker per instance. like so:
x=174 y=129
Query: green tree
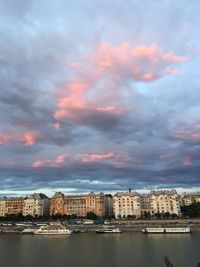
x=192 y=210
x=91 y=215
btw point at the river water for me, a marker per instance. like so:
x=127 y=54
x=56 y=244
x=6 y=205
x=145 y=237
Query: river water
x=128 y=249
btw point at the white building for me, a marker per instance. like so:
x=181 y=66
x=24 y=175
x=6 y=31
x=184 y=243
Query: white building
x=36 y=205
x=164 y=201
x=126 y=204
x=190 y=198
x=2 y=207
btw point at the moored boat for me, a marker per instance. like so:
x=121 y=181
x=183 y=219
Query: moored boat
x=167 y=230
x=108 y=231
x=52 y=230
x=28 y=231
x=11 y=231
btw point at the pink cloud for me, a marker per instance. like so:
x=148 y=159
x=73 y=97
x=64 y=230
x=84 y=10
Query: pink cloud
x=73 y=103
x=96 y=157
x=6 y=138
x=29 y=138
x=182 y=134
x=75 y=64
x=146 y=62
x=37 y=164
x=187 y=161
x=56 y=125
x=196 y=137
x=59 y=161
x=192 y=134
x=101 y=75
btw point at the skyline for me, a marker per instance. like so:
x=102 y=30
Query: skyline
x=99 y=96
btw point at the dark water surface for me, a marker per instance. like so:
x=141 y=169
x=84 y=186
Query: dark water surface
x=93 y=250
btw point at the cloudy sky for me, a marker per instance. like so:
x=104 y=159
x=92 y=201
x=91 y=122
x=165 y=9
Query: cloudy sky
x=99 y=95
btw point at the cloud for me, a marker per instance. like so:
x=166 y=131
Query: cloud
x=141 y=63
x=93 y=92
x=97 y=157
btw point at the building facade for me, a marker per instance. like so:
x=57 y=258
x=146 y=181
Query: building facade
x=127 y=204
x=2 y=207
x=14 y=206
x=75 y=205
x=57 y=204
x=36 y=205
x=164 y=201
x=190 y=198
x=80 y=205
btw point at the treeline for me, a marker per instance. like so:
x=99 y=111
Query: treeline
x=191 y=211
x=20 y=217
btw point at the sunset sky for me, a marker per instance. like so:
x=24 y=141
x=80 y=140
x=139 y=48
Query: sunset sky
x=99 y=95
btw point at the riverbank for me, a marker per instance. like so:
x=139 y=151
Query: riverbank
x=138 y=225
x=124 y=225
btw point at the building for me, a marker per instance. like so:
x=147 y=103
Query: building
x=2 y=207
x=80 y=205
x=57 y=204
x=96 y=203
x=127 y=204
x=190 y=198
x=36 y=205
x=75 y=205
x=108 y=205
x=14 y=206
x=146 y=205
x=164 y=201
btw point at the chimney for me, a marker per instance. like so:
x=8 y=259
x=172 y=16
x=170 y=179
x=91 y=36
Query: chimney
x=129 y=190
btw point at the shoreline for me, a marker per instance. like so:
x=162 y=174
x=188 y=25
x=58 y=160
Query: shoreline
x=123 y=225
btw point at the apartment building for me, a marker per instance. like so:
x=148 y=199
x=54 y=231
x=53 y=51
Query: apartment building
x=14 y=206
x=2 y=207
x=190 y=198
x=164 y=201
x=75 y=205
x=80 y=205
x=57 y=204
x=127 y=204
x=36 y=205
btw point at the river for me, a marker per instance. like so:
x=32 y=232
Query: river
x=129 y=249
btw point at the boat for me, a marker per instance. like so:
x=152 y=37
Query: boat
x=52 y=230
x=108 y=231
x=167 y=230
x=28 y=231
x=11 y=231
x=178 y=230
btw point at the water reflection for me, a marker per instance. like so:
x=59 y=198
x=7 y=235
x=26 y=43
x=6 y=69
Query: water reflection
x=93 y=250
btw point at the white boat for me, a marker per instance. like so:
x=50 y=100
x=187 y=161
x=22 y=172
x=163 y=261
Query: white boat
x=177 y=230
x=28 y=231
x=52 y=230
x=154 y=230
x=108 y=231
x=167 y=230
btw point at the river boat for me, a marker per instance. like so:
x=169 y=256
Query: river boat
x=108 y=231
x=28 y=231
x=52 y=230
x=167 y=230
x=11 y=231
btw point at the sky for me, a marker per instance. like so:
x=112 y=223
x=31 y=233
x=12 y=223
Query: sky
x=99 y=95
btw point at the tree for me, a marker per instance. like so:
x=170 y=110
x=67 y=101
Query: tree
x=91 y=215
x=192 y=210
x=166 y=215
x=158 y=215
x=167 y=262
